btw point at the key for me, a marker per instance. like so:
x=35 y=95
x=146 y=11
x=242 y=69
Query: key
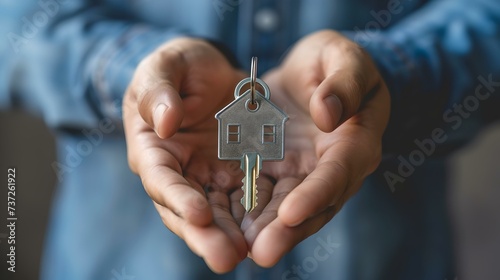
x=251 y=129
x=251 y=163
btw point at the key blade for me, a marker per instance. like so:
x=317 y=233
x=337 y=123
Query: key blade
x=249 y=199
x=251 y=164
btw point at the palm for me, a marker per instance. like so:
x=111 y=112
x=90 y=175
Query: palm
x=315 y=161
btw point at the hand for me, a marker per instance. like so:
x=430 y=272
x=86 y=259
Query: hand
x=171 y=135
x=339 y=107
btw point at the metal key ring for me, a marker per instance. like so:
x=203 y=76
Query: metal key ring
x=253 y=78
x=267 y=91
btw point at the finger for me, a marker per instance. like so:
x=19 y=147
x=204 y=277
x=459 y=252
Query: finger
x=160 y=172
x=325 y=68
x=349 y=75
x=163 y=182
x=320 y=189
x=252 y=226
x=277 y=239
x=237 y=209
x=224 y=220
x=190 y=68
x=156 y=87
x=210 y=242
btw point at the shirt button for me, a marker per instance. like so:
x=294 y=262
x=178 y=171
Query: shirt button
x=266 y=20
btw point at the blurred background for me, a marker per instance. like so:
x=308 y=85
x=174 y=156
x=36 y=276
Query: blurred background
x=473 y=197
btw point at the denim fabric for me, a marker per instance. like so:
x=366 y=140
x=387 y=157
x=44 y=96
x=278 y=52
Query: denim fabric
x=104 y=226
x=71 y=61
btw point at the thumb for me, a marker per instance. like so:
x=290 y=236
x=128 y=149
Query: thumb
x=337 y=98
x=157 y=93
x=326 y=110
x=162 y=108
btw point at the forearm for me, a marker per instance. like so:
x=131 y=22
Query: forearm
x=434 y=59
x=75 y=69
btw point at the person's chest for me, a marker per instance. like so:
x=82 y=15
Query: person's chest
x=206 y=16
x=265 y=28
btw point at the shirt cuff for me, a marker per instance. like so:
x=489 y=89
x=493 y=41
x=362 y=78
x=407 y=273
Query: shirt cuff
x=394 y=64
x=116 y=63
x=410 y=95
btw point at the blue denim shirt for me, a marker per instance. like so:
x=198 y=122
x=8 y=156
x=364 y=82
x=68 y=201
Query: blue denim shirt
x=71 y=61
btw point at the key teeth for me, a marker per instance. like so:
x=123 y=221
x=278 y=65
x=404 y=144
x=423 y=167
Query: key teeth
x=256 y=197
x=256 y=200
x=242 y=200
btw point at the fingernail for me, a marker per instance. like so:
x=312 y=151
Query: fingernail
x=200 y=203
x=246 y=223
x=334 y=107
x=295 y=223
x=157 y=115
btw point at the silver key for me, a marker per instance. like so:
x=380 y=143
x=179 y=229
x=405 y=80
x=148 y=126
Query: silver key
x=251 y=129
x=251 y=163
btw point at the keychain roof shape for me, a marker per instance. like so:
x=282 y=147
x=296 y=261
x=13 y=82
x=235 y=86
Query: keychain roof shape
x=246 y=128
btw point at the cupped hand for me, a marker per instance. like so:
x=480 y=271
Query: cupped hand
x=171 y=134
x=339 y=106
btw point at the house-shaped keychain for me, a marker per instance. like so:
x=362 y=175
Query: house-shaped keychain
x=251 y=128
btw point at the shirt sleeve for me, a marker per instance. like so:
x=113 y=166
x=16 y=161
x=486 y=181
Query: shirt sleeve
x=71 y=61
x=440 y=63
